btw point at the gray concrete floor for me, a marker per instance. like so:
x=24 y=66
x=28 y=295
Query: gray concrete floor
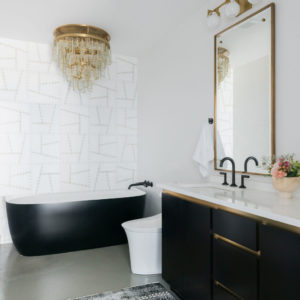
x=68 y=275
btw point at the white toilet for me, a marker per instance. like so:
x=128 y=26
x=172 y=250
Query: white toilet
x=144 y=240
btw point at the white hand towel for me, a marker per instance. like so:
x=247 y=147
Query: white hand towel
x=204 y=152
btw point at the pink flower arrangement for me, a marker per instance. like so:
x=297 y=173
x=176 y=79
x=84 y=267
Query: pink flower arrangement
x=277 y=172
x=285 y=166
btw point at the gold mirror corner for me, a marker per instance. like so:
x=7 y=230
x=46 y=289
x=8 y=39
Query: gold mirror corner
x=244 y=91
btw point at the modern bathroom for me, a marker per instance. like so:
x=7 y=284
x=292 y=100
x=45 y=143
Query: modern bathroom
x=147 y=150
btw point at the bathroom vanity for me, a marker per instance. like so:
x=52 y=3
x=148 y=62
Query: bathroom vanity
x=221 y=243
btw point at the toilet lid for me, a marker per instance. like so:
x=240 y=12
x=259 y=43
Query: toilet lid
x=150 y=224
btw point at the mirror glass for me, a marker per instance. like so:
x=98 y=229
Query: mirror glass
x=244 y=92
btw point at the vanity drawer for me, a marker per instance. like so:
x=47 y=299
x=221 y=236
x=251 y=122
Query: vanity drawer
x=239 y=229
x=220 y=293
x=236 y=269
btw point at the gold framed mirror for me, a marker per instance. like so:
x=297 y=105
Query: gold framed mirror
x=244 y=103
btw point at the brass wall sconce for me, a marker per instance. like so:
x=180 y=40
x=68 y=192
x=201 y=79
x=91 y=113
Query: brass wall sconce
x=232 y=8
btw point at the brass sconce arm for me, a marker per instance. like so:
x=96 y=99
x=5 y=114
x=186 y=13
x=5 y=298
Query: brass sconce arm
x=244 y=6
x=217 y=9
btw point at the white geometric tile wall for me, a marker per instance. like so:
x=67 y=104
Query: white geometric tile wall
x=53 y=139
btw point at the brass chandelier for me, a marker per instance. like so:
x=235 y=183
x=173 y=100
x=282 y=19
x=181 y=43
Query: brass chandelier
x=223 y=63
x=82 y=52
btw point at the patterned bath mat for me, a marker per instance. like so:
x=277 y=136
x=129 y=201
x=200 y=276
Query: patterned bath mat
x=153 y=291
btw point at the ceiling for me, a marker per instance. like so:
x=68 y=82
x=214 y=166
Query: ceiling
x=134 y=25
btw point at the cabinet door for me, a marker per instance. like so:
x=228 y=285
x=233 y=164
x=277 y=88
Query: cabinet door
x=197 y=252
x=173 y=242
x=280 y=264
x=186 y=248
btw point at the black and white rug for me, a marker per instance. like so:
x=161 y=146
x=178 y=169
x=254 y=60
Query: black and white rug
x=153 y=291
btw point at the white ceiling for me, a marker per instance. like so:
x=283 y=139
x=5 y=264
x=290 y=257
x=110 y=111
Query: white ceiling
x=134 y=25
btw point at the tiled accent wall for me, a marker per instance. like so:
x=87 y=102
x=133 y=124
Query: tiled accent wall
x=53 y=139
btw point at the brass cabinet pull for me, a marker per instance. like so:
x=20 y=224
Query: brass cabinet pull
x=228 y=290
x=235 y=244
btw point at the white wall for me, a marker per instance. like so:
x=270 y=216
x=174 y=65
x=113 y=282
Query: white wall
x=176 y=93
x=53 y=139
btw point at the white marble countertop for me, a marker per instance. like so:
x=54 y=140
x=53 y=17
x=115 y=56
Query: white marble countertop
x=265 y=204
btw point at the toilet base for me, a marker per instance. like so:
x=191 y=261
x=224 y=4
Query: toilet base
x=145 y=252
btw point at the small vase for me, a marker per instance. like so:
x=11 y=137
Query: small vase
x=286 y=186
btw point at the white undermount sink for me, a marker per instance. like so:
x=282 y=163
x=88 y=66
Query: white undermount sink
x=206 y=187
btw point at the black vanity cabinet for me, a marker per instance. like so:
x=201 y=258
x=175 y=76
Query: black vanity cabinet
x=210 y=253
x=197 y=252
x=235 y=255
x=172 y=242
x=279 y=264
x=186 y=247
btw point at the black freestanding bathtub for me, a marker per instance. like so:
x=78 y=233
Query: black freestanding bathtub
x=63 y=222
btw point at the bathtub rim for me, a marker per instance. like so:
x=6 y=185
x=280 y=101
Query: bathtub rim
x=69 y=197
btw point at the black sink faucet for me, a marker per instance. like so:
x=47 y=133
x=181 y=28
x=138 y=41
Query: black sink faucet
x=233 y=168
x=243 y=177
x=246 y=162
